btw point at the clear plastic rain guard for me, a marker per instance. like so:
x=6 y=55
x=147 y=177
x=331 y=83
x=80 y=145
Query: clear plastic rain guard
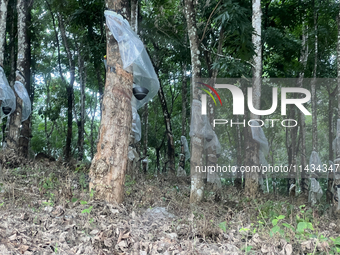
x=7 y=95
x=214 y=144
x=259 y=137
x=315 y=160
x=26 y=102
x=196 y=124
x=133 y=54
x=136 y=125
x=315 y=192
x=186 y=147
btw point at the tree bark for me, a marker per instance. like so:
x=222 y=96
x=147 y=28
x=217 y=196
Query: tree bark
x=25 y=133
x=168 y=128
x=3 y=18
x=313 y=87
x=252 y=151
x=145 y=147
x=184 y=99
x=81 y=121
x=181 y=164
x=197 y=184
x=12 y=48
x=93 y=114
x=15 y=118
x=69 y=88
x=108 y=167
x=336 y=182
x=303 y=61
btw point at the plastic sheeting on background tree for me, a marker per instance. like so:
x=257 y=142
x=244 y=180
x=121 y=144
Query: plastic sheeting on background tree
x=26 y=102
x=7 y=96
x=259 y=137
x=214 y=144
x=133 y=55
x=315 y=192
x=196 y=124
x=186 y=147
x=136 y=125
x=314 y=162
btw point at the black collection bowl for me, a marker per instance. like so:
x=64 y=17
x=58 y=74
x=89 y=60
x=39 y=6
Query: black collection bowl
x=140 y=92
x=6 y=110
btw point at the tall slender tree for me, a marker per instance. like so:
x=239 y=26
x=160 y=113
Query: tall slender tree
x=303 y=61
x=252 y=151
x=25 y=132
x=69 y=86
x=197 y=142
x=3 y=18
x=12 y=139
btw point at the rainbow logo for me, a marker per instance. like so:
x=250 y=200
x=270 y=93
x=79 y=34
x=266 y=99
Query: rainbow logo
x=213 y=90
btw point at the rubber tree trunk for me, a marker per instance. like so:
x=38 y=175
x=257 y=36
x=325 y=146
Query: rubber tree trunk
x=197 y=184
x=81 y=121
x=3 y=18
x=25 y=133
x=252 y=151
x=15 y=118
x=12 y=44
x=181 y=163
x=168 y=128
x=291 y=145
x=146 y=125
x=313 y=86
x=108 y=167
x=303 y=159
x=69 y=87
x=93 y=114
x=335 y=191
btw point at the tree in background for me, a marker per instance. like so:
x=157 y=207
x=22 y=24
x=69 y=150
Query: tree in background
x=3 y=19
x=252 y=152
x=197 y=142
x=15 y=120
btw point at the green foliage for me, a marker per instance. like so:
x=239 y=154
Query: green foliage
x=223 y=226
x=88 y=210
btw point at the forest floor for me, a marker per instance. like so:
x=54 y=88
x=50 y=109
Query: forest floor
x=45 y=208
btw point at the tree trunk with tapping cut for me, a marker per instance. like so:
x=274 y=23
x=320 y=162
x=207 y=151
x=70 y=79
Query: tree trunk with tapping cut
x=109 y=165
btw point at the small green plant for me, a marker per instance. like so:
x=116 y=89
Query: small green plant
x=92 y=193
x=223 y=226
x=244 y=231
x=82 y=202
x=88 y=210
x=82 y=181
x=276 y=228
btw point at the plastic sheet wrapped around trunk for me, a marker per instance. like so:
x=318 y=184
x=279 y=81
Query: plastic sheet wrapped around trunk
x=26 y=102
x=315 y=192
x=214 y=144
x=196 y=124
x=133 y=55
x=136 y=125
x=259 y=137
x=186 y=147
x=7 y=96
x=315 y=162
